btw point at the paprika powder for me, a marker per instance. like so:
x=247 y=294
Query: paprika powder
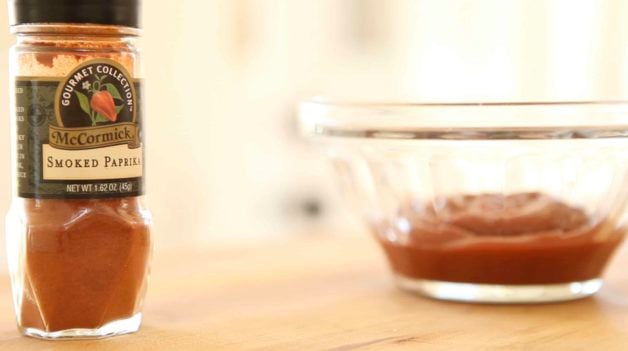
x=78 y=231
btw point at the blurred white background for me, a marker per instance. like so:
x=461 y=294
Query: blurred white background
x=225 y=161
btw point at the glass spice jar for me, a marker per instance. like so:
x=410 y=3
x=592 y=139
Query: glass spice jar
x=78 y=231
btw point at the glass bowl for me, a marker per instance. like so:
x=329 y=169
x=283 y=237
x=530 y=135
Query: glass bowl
x=485 y=202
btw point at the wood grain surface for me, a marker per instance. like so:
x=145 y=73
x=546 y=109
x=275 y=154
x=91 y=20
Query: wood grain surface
x=336 y=295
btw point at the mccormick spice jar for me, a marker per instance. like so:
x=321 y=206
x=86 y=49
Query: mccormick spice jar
x=78 y=229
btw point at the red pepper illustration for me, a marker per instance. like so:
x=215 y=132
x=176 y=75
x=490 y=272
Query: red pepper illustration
x=102 y=102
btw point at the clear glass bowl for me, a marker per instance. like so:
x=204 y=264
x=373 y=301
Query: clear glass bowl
x=486 y=202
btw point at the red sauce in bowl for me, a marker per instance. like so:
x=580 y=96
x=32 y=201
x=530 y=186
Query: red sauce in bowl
x=520 y=239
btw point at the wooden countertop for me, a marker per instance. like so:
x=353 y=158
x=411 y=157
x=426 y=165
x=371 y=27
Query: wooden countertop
x=333 y=294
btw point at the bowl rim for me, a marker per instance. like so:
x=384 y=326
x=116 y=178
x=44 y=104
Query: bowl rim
x=337 y=102
x=488 y=120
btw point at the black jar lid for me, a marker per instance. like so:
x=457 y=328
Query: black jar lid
x=107 y=12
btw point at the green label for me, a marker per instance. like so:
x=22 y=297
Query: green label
x=79 y=136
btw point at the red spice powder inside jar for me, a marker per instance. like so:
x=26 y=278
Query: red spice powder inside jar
x=86 y=262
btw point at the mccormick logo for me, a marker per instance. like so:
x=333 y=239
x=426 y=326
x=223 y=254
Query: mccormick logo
x=94 y=137
x=95 y=106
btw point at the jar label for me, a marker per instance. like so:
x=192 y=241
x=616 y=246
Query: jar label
x=79 y=136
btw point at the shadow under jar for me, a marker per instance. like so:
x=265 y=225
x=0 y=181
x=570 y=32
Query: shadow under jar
x=492 y=202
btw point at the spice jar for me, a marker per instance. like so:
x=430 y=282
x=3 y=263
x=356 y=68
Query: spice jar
x=78 y=235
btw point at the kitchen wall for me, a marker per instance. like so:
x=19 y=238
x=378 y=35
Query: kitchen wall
x=224 y=76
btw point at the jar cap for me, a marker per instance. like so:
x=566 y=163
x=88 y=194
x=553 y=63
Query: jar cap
x=107 y=12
